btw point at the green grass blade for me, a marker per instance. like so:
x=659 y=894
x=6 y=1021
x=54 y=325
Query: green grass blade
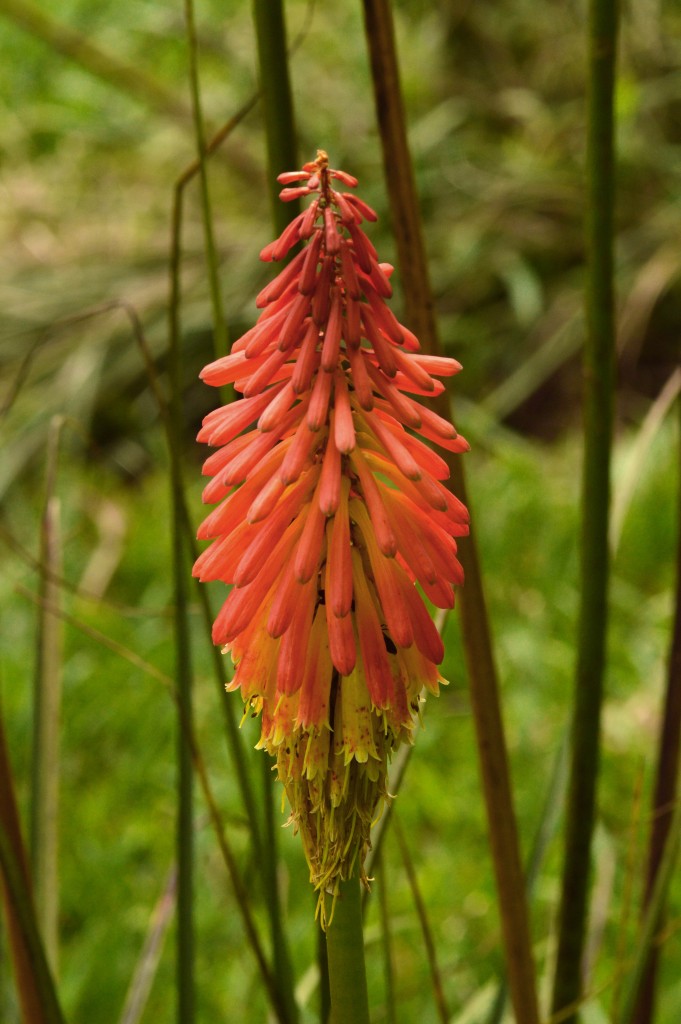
x=386 y=937
x=594 y=567
x=666 y=794
x=426 y=930
x=475 y=627
x=46 y=714
x=150 y=955
x=651 y=919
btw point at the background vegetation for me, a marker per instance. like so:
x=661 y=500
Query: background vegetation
x=495 y=104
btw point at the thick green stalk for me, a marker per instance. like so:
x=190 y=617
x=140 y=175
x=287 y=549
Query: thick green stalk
x=280 y=133
x=345 y=948
x=386 y=937
x=220 y=337
x=484 y=687
x=598 y=363
x=275 y=89
x=183 y=678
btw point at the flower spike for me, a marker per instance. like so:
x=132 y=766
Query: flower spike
x=333 y=520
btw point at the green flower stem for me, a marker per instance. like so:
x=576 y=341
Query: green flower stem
x=598 y=404
x=345 y=949
x=477 y=642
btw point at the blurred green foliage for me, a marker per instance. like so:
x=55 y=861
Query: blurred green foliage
x=494 y=99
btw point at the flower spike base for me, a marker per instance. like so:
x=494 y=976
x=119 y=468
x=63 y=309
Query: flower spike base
x=333 y=521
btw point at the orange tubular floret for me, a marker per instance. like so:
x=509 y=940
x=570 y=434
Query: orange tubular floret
x=344 y=427
x=271 y=528
x=309 y=550
x=318 y=408
x=379 y=518
x=341 y=635
x=360 y=378
x=294 y=641
x=379 y=343
x=394 y=447
x=390 y=582
x=304 y=440
x=307 y=360
x=243 y=602
x=339 y=595
x=275 y=289
x=332 y=335
x=330 y=484
x=370 y=635
x=313 y=702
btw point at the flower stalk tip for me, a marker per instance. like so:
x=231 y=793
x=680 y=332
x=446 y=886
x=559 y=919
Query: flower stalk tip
x=332 y=521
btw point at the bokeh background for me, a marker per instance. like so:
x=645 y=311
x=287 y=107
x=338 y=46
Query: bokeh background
x=96 y=129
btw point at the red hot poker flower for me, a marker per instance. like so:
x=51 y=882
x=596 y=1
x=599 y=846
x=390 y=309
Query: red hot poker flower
x=332 y=520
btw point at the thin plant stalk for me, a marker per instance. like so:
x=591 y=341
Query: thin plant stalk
x=185 y=980
x=231 y=725
x=547 y=826
x=652 y=917
x=280 y=133
x=150 y=954
x=386 y=935
x=345 y=950
x=666 y=792
x=46 y=714
x=435 y=973
x=220 y=337
x=35 y=986
x=477 y=641
x=598 y=362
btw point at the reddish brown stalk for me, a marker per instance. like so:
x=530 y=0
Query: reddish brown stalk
x=475 y=627
x=35 y=988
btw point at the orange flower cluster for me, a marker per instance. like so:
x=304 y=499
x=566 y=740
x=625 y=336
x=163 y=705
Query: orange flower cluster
x=332 y=520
